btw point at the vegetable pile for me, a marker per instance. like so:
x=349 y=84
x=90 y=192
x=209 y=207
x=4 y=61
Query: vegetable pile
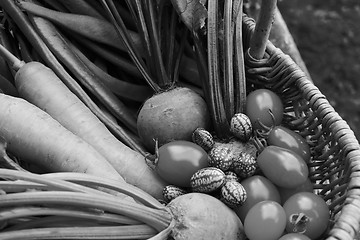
x=136 y=120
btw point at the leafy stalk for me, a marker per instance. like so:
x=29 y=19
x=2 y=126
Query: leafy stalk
x=122 y=31
x=95 y=182
x=88 y=214
x=158 y=219
x=240 y=80
x=216 y=97
x=155 y=44
x=99 y=232
x=229 y=102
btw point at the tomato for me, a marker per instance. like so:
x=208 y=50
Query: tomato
x=283 y=137
x=307 y=213
x=294 y=236
x=265 y=220
x=283 y=167
x=258 y=188
x=258 y=104
x=285 y=193
x=179 y=160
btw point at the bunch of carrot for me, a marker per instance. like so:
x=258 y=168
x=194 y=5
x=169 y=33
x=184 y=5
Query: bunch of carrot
x=74 y=120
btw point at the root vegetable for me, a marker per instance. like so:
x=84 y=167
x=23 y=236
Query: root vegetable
x=171 y=115
x=187 y=217
x=50 y=94
x=200 y=216
x=33 y=135
x=41 y=86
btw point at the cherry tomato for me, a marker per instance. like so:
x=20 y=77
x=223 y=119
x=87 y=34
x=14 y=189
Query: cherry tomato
x=294 y=236
x=283 y=167
x=179 y=160
x=285 y=193
x=306 y=213
x=265 y=220
x=258 y=104
x=283 y=137
x=258 y=188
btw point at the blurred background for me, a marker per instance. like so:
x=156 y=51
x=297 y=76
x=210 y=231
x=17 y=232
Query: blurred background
x=327 y=34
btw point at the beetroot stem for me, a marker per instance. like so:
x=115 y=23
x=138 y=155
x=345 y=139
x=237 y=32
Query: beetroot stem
x=262 y=29
x=215 y=103
x=121 y=30
x=240 y=80
x=229 y=101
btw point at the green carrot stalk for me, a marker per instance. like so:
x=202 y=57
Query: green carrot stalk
x=121 y=88
x=104 y=32
x=99 y=30
x=82 y=7
x=8 y=41
x=26 y=50
x=117 y=59
x=122 y=31
x=56 y=5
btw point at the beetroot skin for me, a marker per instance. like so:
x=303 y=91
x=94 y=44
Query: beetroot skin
x=171 y=115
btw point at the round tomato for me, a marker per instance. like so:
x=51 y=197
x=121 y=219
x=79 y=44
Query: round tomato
x=260 y=103
x=285 y=193
x=177 y=161
x=258 y=188
x=265 y=220
x=283 y=167
x=283 y=137
x=294 y=236
x=306 y=213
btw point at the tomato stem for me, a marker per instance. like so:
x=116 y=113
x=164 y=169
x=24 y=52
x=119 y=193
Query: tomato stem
x=299 y=222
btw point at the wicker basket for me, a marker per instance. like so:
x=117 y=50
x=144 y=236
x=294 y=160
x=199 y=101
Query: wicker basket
x=335 y=164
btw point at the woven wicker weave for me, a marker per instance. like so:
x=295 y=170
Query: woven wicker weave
x=335 y=164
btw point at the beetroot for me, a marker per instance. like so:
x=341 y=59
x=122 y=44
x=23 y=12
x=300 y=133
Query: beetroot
x=171 y=115
x=200 y=216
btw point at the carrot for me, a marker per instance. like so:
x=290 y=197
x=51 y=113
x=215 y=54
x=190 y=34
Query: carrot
x=33 y=135
x=40 y=86
x=48 y=57
x=58 y=44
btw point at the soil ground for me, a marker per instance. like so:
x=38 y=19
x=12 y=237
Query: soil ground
x=327 y=33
